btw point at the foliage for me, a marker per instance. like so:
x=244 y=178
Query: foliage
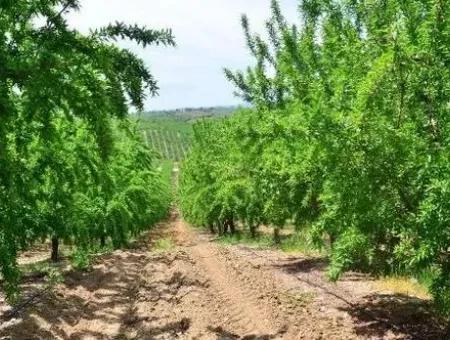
x=188 y=114
x=169 y=137
x=239 y=238
x=349 y=137
x=72 y=167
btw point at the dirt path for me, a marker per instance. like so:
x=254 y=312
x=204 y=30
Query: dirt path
x=202 y=290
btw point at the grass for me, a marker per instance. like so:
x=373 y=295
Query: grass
x=259 y=242
x=166 y=167
x=82 y=259
x=38 y=267
x=163 y=245
x=403 y=285
x=299 y=242
x=417 y=285
x=295 y=242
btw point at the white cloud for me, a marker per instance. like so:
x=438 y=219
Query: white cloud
x=208 y=35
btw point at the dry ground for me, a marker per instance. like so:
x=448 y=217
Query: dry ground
x=201 y=290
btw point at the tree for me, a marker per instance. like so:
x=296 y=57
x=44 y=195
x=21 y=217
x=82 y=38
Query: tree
x=348 y=135
x=51 y=78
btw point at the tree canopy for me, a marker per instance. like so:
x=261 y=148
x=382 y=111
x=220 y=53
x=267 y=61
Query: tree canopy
x=347 y=137
x=72 y=166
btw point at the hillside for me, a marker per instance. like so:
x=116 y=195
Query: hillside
x=191 y=113
x=169 y=132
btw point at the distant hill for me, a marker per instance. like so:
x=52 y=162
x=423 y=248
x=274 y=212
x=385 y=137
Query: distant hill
x=191 y=113
x=169 y=132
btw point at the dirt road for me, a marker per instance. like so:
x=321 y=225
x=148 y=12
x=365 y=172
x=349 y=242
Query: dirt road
x=202 y=290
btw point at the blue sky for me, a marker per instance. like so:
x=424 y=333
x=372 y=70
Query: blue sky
x=208 y=36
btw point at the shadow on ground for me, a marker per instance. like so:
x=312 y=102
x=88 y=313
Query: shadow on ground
x=303 y=265
x=72 y=302
x=223 y=334
x=97 y=304
x=400 y=314
x=376 y=315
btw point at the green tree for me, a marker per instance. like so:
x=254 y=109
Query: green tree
x=348 y=135
x=59 y=89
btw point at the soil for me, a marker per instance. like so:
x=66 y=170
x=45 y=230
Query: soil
x=203 y=290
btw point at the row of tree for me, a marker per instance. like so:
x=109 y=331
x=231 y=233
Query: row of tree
x=348 y=137
x=72 y=167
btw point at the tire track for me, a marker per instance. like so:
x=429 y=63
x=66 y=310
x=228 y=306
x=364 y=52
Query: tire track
x=198 y=290
x=239 y=309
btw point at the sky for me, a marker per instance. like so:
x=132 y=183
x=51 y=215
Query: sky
x=208 y=36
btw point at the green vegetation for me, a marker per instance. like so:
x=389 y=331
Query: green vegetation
x=348 y=138
x=169 y=137
x=170 y=132
x=191 y=113
x=184 y=127
x=73 y=168
x=163 y=245
x=290 y=241
x=260 y=242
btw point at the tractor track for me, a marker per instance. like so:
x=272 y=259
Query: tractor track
x=199 y=289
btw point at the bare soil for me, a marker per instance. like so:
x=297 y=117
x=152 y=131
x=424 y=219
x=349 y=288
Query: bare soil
x=203 y=290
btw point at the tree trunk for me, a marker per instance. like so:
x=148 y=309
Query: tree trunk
x=102 y=241
x=332 y=239
x=276 y=235
x=220 y=228
x=232 y=227
x=55 y=247
x=211 y=228
x=224 y=227
x=253 y=230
